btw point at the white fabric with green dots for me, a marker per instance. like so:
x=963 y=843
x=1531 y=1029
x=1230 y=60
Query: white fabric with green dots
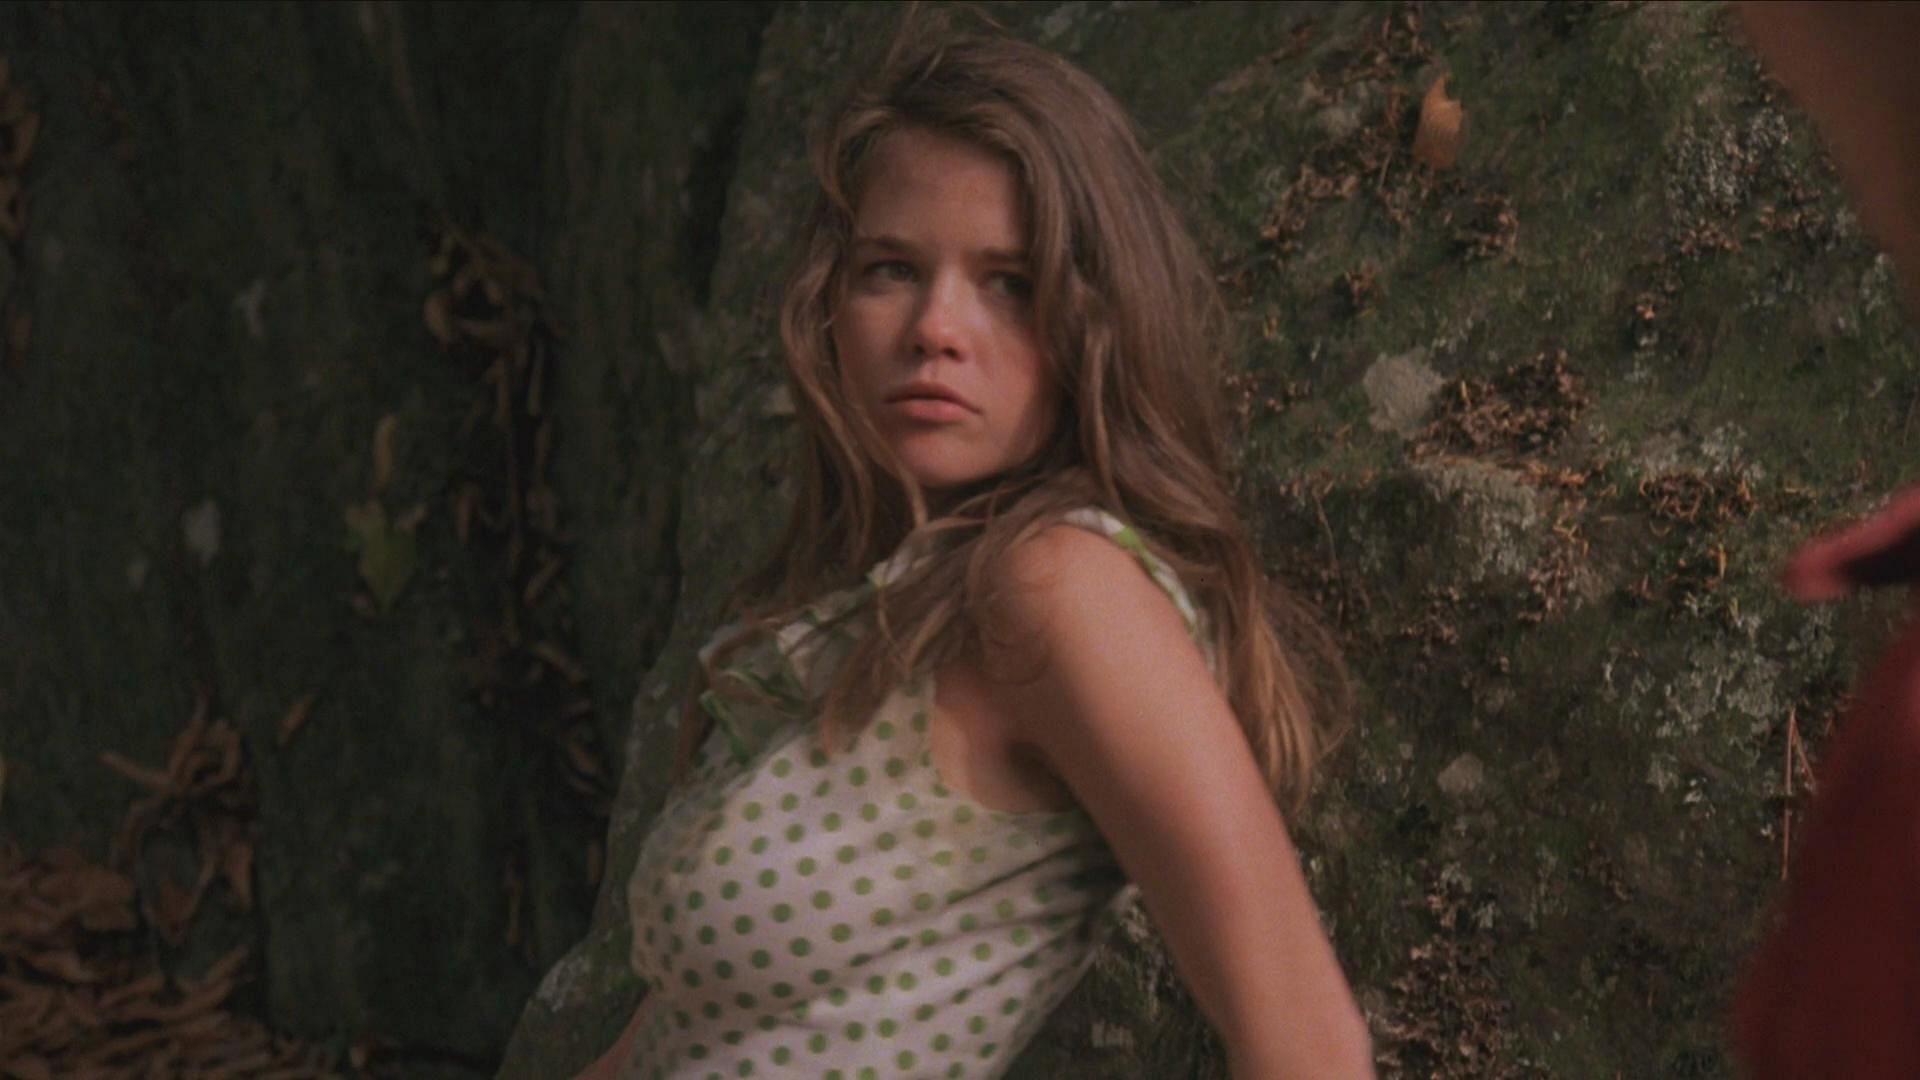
x=849 y=916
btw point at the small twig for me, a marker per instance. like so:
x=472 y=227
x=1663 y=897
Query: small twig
x=1799 y=747
x=1319 y=511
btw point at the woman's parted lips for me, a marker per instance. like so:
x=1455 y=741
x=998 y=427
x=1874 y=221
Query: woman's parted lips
x=922 y=388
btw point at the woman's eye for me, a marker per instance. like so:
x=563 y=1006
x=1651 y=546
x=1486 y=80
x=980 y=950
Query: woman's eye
x=1013 y=286
x=889 y=270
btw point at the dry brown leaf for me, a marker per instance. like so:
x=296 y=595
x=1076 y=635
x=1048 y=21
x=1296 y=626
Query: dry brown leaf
x=22 y=138
x=438 y=313
x=542 y=578
x=409 y=520
x=82 y=1010
x=463 y=503
x=542 y=446
x=29 y=1068
x=296 y=718
x=244 y=1063
x=544 y=505
x=198 y=1001
x=126 y=1045
x=500 y=334
x=383 y=453
x=27 y=926
x=568 y=668
x=470 y=271
x=62 y=964
x=236 y=866
x=227 y=740
x=102 y=899
x=202 y=1028
x=151 y=779
x=582 y=758
x=188 y=740
x=1436 y=142
x=143 y=987
x=493 y=290
x=171 y=908
x=225 y=968
x=33 y=1000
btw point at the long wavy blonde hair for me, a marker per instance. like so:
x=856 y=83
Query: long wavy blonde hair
x=1127 y=312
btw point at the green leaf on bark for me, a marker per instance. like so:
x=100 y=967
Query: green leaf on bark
x=388 y=553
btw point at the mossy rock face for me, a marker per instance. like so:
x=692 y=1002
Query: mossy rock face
x=1533 y=434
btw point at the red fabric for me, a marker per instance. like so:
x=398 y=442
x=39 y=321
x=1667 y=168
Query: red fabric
x=1834 y=989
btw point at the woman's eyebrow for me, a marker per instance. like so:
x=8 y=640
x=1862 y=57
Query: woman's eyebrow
x=882 y=240
x=997 y=256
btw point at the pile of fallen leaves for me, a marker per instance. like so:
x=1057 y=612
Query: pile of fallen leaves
x=82 y=989
x=1527 y=408
x=18 y=126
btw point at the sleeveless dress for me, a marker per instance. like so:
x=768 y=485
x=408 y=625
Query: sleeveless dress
x=849 y=916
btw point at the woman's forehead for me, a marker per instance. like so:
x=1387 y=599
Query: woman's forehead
x=920 y=185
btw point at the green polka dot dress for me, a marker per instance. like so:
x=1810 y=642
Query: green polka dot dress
x=849 y=915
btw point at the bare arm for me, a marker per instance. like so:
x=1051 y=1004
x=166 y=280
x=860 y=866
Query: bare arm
x=1126 y=713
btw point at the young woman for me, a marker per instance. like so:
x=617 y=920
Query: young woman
x=1016 y=649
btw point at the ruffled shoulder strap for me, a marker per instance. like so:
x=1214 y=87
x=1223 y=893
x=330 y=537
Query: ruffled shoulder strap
x=1128 y=539
x=789 y=668
x=775 y=680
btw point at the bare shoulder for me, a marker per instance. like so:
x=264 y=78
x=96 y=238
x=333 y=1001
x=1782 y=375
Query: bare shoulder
x=1068 y=580
x=1084 y=643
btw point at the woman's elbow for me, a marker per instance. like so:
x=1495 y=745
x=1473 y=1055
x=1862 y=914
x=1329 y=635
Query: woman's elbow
x=1355 y=1052
x=1346 y=1050
x=1339 y=1048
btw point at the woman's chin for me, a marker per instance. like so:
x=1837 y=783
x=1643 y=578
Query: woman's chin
x=937 y=484
x=939 y=472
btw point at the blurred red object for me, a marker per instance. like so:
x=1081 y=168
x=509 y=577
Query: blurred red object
x=1834 y=990
x=1855 y=69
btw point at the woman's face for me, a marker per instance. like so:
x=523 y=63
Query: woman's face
x=933 y=326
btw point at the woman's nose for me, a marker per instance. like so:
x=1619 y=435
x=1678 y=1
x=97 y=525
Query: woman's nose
x=940 y=320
